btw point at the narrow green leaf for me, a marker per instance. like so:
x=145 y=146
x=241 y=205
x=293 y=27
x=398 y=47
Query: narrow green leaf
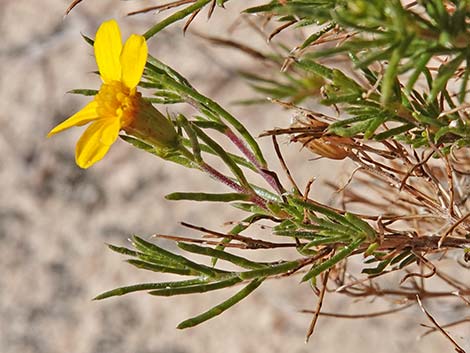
x=237 y=159
x=160 y=261
x=312 y=66
x=410 y=259
x=137 y=143
x=378 y=269
x=237 y=172
x=157 y=69
x=370 y=76
x=123 y=250
x=327 y=227
x=265 y=194
x=419 y=66
x=219 y=309
x=326 y=240
x=400 y=257
x=262 y=8
x=200 y=196
x=340 y=255
x=223 y=255
x=323 y=210
x=205 y=124
x=441 y=132
x=333 y=233
x=162 y=269
x=351 y=131
x=88 y=39
x=249 y=207
x=192 y=136
x=313 y=37
x=463 y=85
x=147 y=286
x=345 y=83
x=371 y=249
x=365 y=227
x=198 y=288
x=301 y=234
x=271 y=270
x=164 y=100
x=445 y=73
x=393 y=132
x=389 y=80
x=374 y=125
x=150 y=248
x=428 y=120
x=349 y=121
x=376 y=55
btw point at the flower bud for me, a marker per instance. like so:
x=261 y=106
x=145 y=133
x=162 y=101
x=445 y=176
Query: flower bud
x=152 y=127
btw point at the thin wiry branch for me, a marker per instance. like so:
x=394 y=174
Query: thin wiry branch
x=457 y=347
x=319 y=305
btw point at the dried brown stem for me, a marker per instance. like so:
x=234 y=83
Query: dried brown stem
x=284 y=165
x=280 y=29
x=452 y=228
x=318 y=307
x=233 y=44
x=71 y=6
x=452 y=324
x=361 y=316
x=190 y=20
x=458 y=349
x=250 y=242
x=163 y=7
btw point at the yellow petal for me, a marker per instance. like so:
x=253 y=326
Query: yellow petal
x=82 y=117
x=108 y=47
x=110 y=131
x=133 y=59
x=96 y=141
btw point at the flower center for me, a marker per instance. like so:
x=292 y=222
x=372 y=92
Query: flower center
x=115 y=100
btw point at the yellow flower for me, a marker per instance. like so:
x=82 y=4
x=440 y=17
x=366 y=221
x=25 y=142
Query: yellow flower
x=117 y=103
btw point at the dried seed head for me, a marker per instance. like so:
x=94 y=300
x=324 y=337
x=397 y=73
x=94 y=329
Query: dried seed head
x=317 y=140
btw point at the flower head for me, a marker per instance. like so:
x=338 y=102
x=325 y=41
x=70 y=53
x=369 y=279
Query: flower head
x=118 y=103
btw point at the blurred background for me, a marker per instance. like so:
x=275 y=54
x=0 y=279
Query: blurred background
x=55 y=219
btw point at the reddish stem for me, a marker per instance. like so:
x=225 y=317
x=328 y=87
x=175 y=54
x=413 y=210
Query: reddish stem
x=230 y=183
x=251 y=157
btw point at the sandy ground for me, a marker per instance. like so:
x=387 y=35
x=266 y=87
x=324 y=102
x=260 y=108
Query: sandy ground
x=55 y=218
